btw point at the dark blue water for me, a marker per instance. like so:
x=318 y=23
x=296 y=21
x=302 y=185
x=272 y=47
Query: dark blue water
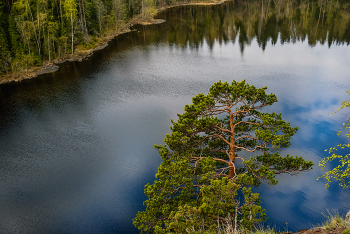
x=76 y=146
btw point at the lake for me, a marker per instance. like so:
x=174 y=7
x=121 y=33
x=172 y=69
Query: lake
x=76 y=146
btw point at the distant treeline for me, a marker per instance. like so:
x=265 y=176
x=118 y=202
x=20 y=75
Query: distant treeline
x=33 y=31
x=320 y=21
x=267 y=22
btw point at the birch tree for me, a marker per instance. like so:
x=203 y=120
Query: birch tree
x=70 y=8
x=119 y=10
x=341 y=172
x=100 y=12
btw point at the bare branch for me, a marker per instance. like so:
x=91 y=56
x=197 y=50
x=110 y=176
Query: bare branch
x=223 y=129
x=246 y=149
x=290 y=172
x=251 y=123
x=247 y=136
x=216 y=159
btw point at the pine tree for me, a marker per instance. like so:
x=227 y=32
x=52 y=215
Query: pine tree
x=203 y=169
x=5 y=56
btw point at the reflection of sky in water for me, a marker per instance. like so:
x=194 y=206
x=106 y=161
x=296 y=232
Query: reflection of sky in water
x=77 y=160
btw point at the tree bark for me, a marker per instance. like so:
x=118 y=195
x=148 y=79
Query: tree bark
x=231 y=164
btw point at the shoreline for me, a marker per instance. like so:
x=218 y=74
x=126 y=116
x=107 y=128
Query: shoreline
x=80 y=55
x=53 y=66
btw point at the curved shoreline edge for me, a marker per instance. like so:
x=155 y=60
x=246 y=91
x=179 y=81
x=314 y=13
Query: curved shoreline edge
x=53 y=66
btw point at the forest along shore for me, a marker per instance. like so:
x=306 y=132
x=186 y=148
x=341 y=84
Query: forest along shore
x=80 y=55
x=53 y=66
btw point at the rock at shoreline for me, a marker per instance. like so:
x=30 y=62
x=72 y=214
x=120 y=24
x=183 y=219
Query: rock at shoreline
x=347 y=218
x=153 y=21
x=47 y=69
x=100 y=47
x=159 y=21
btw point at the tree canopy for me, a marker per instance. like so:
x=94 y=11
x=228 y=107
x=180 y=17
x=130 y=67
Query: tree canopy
x=341 y=172
x=205 y=180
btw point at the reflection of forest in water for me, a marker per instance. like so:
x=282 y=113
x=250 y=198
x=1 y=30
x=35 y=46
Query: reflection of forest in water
x=323 y=21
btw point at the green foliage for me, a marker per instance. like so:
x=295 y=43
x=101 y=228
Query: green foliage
x=340 y=173
x=148 y=9
x=5 y=55
x=203 y=181
x=70 y=9
x=346 y=231
x=119 y=12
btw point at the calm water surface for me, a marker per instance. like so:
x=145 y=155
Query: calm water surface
x=76 y=147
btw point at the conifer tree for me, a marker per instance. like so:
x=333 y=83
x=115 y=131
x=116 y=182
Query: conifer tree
x=5 y=56
x=17 y=47
x=206 y=179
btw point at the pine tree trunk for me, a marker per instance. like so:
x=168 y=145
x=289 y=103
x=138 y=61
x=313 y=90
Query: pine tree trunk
x=232 y=155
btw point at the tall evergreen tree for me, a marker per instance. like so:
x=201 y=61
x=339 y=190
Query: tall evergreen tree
x=5 y=55
x=204 y=163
